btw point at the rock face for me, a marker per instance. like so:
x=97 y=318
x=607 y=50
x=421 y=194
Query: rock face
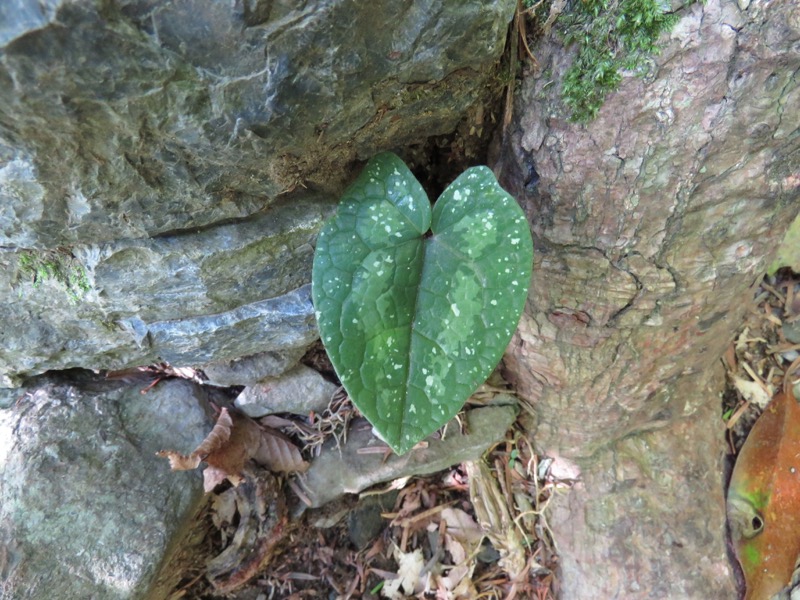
x=300 y=391
x=250 y=370
x=157 y=161
x=164 y=170
x=651 y=224
x=86 y=508
x=188 y=298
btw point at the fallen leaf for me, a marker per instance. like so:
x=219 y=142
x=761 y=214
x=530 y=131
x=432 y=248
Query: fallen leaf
x=764 y=499
x=212 y=477
x=278 y=453
x=223 y=509
x=234 y=440
x=752 y=391
x=461 y=526
x=409 y=574
x=180 y=462
x=462 y=539
x=219 y=436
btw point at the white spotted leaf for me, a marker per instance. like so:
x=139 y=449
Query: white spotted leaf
x=414 y=321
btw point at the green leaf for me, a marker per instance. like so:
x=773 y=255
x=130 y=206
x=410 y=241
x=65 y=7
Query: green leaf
x=414 y=323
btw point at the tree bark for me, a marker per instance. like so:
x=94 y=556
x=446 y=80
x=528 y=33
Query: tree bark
x=651 y=225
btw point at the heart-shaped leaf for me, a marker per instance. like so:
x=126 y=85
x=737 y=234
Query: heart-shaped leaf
x=412 y=322
x=764 y=499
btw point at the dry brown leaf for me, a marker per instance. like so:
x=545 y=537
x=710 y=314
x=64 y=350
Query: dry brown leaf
x=462 y=527
x=178 y=461
x=212 y=477
x=462 y=567
x=213 y=441
x=234 y=440
x=753 y=391
x=278 y=453
x=277 y=422
x=218 y=436
x=223 y=509
x=230 y=450
x=764 y=499
x=462 y=539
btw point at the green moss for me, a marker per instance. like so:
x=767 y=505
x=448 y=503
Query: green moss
x=611 y=36
x=56 y=266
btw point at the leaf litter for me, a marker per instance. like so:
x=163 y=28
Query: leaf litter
x=476 y=530
x=765 y=350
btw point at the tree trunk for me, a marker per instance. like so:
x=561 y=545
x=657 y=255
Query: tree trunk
x=651 y=225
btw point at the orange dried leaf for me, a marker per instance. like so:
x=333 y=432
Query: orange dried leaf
x=278 y=453
x=236 y=443
x=178 y=461
x=764 y=499
x=218 y=436
x=233 y=441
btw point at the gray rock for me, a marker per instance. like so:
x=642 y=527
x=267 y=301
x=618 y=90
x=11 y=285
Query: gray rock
x=47 y=327
x=282 y=322
x=146 y=117
x=249 y=370
x=365 y=521
x=206 y=272
x=9 y=396
x=298 y=391
x=350 y=471
x=108 y=306
x=86 y=508
x=147 y=149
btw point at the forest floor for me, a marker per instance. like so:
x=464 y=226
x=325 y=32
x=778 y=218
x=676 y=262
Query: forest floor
x=766 y=348
x=476 y=530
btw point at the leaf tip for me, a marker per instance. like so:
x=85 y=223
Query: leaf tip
x=178 y=461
